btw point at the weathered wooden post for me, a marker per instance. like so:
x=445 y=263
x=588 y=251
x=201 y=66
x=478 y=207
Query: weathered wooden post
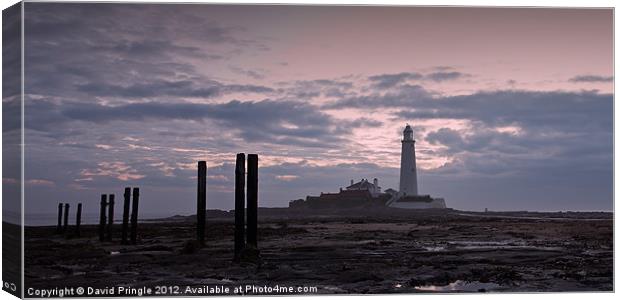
x=78 y=220
x=110 y=216
x=126 y=203
x=102 y=219
x=239 y=204
x=66 y=222
x=134 y=215
x=252 y=199
x=59 y=226
x=201 y=207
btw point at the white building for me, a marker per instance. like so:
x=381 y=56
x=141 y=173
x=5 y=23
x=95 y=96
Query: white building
x=364 y=185
x=408 y=174
x=407 y=196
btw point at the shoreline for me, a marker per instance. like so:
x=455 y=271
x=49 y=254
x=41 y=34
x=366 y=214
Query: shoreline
x=357 y=252
x=284 y=212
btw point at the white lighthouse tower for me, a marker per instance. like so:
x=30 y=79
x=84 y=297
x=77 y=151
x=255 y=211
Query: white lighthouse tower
x=408 y=173
x=408 y=197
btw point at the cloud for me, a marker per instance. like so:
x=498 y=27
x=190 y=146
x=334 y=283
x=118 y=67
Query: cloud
x=542 y=109
x=487 y=151
x=447 y=137
x=116 y=169
x=122 y=94
x=574 y=110
x=444 y=76
x=390 y=80
x=125 y=51
x=265 y=121
x=11 y=51
x=250 y=73
x=592 y=78
x=385 y=81
x=365 y=122
x=151 y=49
x=307 y=89
x=159 y=88
x=40 y=182
x=404 y=96
x=286 y=177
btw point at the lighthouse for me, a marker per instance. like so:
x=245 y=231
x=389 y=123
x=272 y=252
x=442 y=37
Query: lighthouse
x=408 y=173
x=408 y=197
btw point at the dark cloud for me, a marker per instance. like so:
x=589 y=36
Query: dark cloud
x=159 y=88
x=592 y=78
x=250 y=73
x=496 y=108
x=126 y=50
x=500 y=108
x=526 y=131
x=385 y=81
x=280 y=122
x=390 y=80
x=405 y=96
x=11 y=51
x=522 y=170
x=11 y=114
x=365 y=122
x=152 y=49
x=447 y=137
x=68 y=21
x=307 y=89
x=444 y=76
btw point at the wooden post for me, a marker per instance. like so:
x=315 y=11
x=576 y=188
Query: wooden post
x=239 y=204
x=252 y=199
x=78 y=220
x=102 y=219
x=134 y=214
x=201 y=205
x=66 y=223
x=59 y=226
x=110 y=216
x=126 y=203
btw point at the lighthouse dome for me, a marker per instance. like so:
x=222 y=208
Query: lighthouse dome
x=408 y=133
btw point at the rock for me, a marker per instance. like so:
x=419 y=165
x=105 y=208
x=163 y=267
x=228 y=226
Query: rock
x=250 y=254
x=189 y=247
x=358 y=276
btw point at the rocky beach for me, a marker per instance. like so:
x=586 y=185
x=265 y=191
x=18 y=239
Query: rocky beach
x=353 y=252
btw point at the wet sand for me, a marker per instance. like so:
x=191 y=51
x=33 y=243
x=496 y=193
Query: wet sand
x=388 y=251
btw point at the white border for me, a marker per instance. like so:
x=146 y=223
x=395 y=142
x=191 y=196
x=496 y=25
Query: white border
x=502 y=3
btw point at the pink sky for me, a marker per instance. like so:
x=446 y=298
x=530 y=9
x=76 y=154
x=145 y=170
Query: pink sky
x=540 y=49
x=497 y=48
x=136 y=94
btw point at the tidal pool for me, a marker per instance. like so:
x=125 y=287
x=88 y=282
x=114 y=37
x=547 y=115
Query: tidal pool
x=460 y=286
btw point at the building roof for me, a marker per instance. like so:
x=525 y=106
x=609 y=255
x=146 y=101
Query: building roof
x=362 y=185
